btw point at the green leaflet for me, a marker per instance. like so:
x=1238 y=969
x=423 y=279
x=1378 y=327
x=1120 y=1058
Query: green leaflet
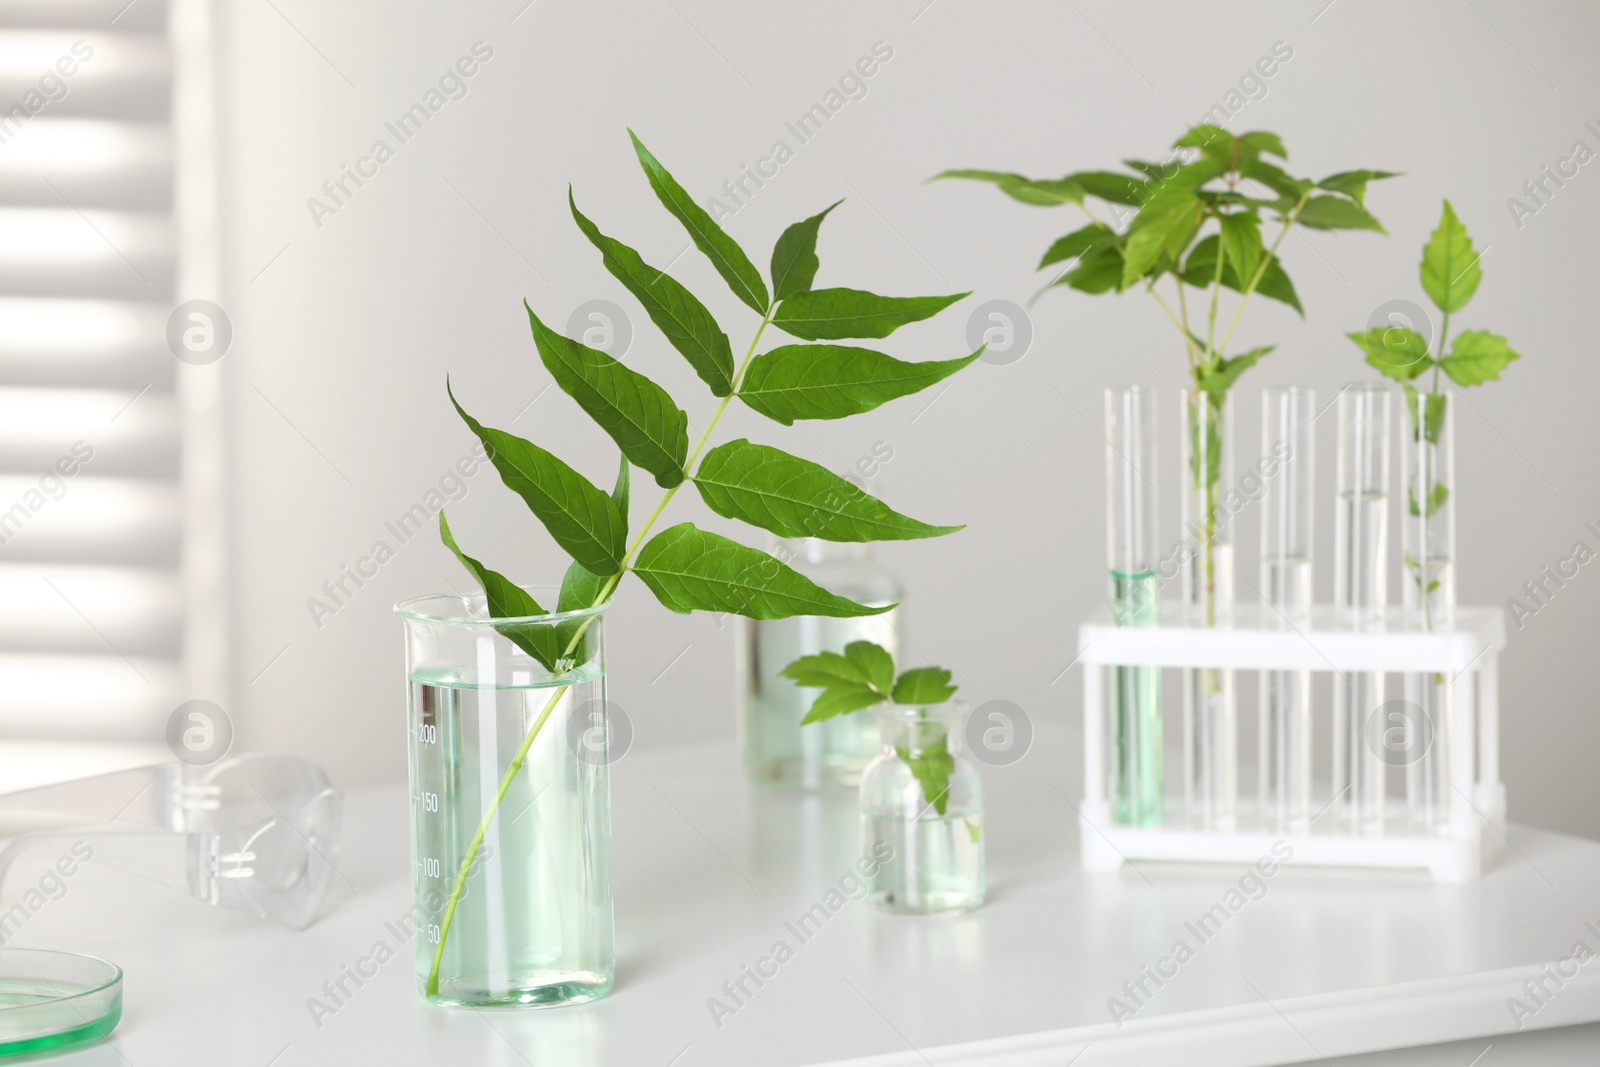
x=1046 y=193
x=1161 y=231
x=1337 y=213
x=638 y=414
x=794 y=257
x=1099 y=271
x=689 y=569
x=581 y=519
x=840 y=700
x=723 y=251
x=675 y=311
x=1353 y=183
x=924 y=685
x=1241 y=243
x=581 y=588
x=1436 y=498
x=832 y=381
x=1219 y=379
x=931 y=768
x=1433 y=417
x=1112 y=187
x=1477 y=356
x=1449 y=268
x=504 y=599
x=1080 y=242
x=1289 y=189
x=834 y=314
x=793 y=497
x=1396 y=351
x=1200 y=267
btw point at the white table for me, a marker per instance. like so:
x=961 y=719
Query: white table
x=1326 y=962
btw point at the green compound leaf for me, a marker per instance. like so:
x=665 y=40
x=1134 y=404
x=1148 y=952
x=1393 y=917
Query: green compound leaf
x=504 y=599
x=689 y=569
x=834 y=314
x=832 y=381
x=582 y=519
x=794 y=257
x=1477 y=356
x=1396 y=351
x=1337 y=213
x=675 y=311
x=793 y=497
x=638 y=414
x=932 y=769
x=860 y=678
x=723 y=251
x=924 y=685
x=1449 y=268
x=1041 y=193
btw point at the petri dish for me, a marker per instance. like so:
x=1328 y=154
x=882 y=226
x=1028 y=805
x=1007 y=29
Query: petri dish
x=55 y=1001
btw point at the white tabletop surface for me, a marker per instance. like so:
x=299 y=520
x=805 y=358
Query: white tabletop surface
x=707 y=872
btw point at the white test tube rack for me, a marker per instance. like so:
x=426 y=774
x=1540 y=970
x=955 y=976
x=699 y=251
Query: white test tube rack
x=1467 y=654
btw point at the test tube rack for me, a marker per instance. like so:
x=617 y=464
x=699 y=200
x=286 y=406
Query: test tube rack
x=1453 y=849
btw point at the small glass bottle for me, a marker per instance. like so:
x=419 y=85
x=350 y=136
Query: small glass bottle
x=830 y=754
x=1284 y=726
x=1137 y=785
x=928 y=854
x=1361 y=594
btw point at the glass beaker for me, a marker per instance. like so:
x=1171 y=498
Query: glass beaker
x=510 y=804
x=922 y=812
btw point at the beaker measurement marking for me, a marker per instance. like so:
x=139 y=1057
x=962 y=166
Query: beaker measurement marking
x=433 y=934
x=430 y=867
x=427 y=733
x=430 y=801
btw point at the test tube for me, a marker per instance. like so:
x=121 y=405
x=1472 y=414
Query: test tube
x=1210 y=722
x=1361 y=587
x=1287 y=470
x=1137 y=786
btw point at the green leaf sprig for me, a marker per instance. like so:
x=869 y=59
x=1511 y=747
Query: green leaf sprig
x=1450 y=275
x=863 y=676
x=688 y=568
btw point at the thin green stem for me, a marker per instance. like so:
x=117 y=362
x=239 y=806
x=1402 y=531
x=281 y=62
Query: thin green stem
x=512 y=771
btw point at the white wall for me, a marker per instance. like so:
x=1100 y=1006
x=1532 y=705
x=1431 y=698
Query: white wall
x=349 y=329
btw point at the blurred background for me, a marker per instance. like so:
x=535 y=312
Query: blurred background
x=226 y=151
